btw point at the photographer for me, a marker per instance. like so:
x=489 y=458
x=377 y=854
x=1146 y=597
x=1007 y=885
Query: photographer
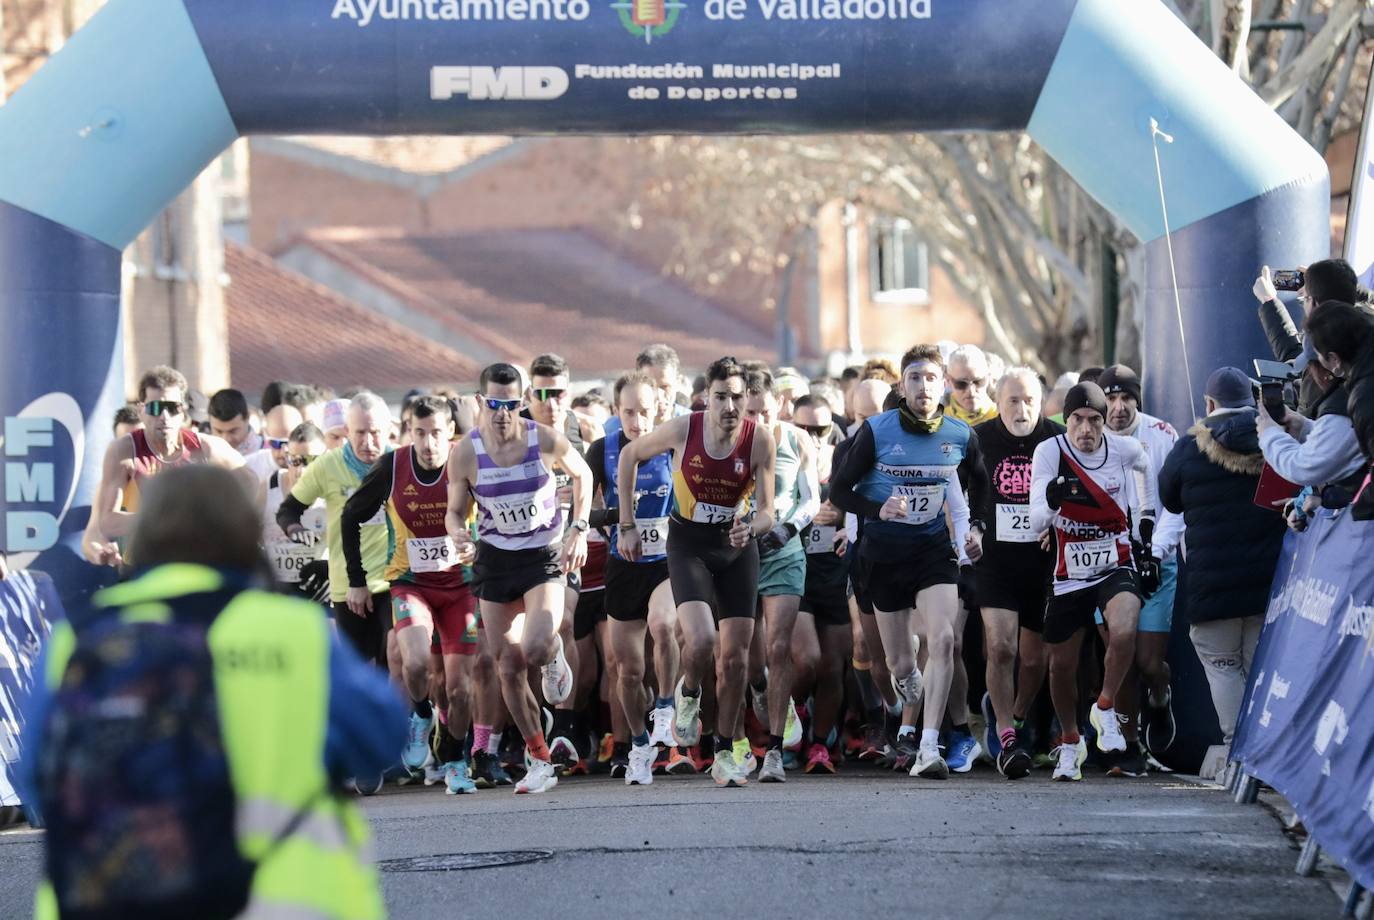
x=1329 y=279
x=1322 y=450
x=1343 y=339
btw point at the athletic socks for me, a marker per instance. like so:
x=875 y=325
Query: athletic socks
x=663 y=702
x=450 y=748
x=906 y=730
x=724 y=744
x=537 y=747
x=640 y=740
x=775 y=742
x=1008 y=738
x=1105 y=702
x=423 y=708
x=962 y=729
x=481 y=737
x=930 y=739
x=494 y=743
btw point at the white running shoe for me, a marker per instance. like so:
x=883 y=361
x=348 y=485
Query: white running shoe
x=772 y=770
x=641 y=769
x=792 y=731
x=1069 y=766
x=910 y=690
x=1109 y=737
x=662 y=735
x=726 y=772
x=929 y=764
x=759 y=699
x=558 y=678
x=686 y=725
x=541 y=776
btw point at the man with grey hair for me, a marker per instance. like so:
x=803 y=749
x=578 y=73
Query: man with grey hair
x=1012 y=575
x=334 y=477
x=967 y=378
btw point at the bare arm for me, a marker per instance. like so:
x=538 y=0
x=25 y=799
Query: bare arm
x=218 y=452
x=559 y=450
x=107 y=521
x=765 y=481
x=461 y=470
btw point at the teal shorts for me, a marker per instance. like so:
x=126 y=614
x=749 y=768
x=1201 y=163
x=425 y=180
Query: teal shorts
x=784 y=572
x=1157 y=613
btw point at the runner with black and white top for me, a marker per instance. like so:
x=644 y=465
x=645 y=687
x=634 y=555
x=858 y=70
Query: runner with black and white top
x=519 y=568
x=1013 y=574
x=299 y=566
x=1083 y=499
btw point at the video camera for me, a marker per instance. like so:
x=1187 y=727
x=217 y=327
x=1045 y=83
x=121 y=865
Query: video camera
x=1275 y=389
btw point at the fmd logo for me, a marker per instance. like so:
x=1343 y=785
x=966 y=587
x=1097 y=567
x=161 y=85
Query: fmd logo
x=35 y=461
x=650 y=19
x=509 y=84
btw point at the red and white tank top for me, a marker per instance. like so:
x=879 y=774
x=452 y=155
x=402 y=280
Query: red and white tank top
x=422 y=551
x=148 y=464
x=707 y=489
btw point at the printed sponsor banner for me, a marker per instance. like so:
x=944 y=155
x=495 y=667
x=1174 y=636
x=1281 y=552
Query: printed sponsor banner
x=28 y=607
x=1307 y=727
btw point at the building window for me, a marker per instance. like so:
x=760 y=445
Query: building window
x=900 y=268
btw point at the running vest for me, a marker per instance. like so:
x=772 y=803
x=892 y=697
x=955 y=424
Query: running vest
x=271 y=656
x=918 y=466
x=421 y=551
x=787 y=472
x=1008 y=459
x=653 y=499
x=148 y=464
x=287 y=556
x=517 y=505
x=1092 y=532
x=707 y=490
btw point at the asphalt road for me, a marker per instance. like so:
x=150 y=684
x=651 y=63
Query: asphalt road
x=862 y=844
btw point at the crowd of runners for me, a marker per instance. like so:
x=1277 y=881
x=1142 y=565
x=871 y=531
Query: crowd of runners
x=912 y=566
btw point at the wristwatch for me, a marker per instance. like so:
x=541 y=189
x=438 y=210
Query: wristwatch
x=581 y=524
x=975 y=522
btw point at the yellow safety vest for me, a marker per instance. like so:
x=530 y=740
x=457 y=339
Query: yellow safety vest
x=271 y=659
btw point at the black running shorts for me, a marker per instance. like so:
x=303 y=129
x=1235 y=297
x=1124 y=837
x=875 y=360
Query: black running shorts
x=893 y=586
x=629 y=585
x=703 y=566
x=502 y=576
x=1020 y=591
x=1066 y=614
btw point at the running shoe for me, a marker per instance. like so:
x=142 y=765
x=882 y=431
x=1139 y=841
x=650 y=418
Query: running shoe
x=964 y=751
x=726 y=772
x=759 y=700
x=1160 y=727
x=416 y=751
x=911 y=689
x=370 y=785
x=818 y=760
x=772 y=771
x=686 y=725
x=1069 y=760
x=744 y=756
x=540 y=776
x=640 y=771
x=991 y=742
x=904 y=751
x=791 y=760
x=456 y=779
x=558 y=678
x=792 y=732
x=563 y=754
x=679 y=764
x=487 y=772
x=607 y=748
x=662 y=734
x=930 y=765
x=874 y=746
x=1014 y=762
x=434 y=773
x=1109 y=737
x=620 y=762
x=1129 y=765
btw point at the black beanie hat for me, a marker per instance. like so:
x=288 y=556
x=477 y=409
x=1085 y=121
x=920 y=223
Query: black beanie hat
x=1085 y=396
x=1120 y=379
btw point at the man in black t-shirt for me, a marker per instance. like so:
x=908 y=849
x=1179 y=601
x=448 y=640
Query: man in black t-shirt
x=1013 y=572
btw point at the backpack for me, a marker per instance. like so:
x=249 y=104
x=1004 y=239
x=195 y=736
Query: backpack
x=134 y=781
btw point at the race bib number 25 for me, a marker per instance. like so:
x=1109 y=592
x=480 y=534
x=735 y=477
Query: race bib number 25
x=1013 y=524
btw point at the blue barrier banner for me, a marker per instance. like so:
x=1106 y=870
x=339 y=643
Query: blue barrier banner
x=29 y=606
x=1308 y=725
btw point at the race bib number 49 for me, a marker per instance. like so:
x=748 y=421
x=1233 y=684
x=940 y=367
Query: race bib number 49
x=431 y=554
x=1087 y=559
x=924 y=502
x=653 y=535
x=1013 y=524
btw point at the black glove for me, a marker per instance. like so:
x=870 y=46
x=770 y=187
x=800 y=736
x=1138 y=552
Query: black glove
x=1147 y=530
x=775 y=539
x=315 y=580
x=968 y=587
x=1062 y=490
x=1148 y=567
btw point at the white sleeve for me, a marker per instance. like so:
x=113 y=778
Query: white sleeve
x=1044 y=470
x=958 y=512
x=1146 y=484
x=809 y=502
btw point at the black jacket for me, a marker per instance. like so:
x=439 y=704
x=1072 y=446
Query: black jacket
x=1359 y=387
x=1233 y=545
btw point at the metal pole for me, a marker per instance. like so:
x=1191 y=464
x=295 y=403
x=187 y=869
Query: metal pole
x=1307 y=859
x=1352 y=900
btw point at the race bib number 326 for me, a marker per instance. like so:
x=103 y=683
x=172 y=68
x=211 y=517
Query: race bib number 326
x=431 y=554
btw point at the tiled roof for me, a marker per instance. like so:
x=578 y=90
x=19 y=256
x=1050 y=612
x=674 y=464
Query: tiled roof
x=530 y=291
x=420 y=155
x=283 y=326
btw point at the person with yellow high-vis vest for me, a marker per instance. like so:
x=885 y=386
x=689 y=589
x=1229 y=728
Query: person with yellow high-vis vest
x=298 y=711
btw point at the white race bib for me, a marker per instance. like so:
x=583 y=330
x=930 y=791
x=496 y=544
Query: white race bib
x=653 y=535
x=431 y=554
x=924 y=502
x=1085 y=559
x=819 y=539
x=288 y=558
x=1013 y=524
x=519 y=514
x=712 y=514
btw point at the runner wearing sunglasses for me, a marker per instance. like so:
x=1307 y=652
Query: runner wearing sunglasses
x=505 y=466
x=299 y=566
x=164 y=441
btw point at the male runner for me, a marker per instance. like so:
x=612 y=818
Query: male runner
x=720 y=458
x=228 y=411
x=1013 y=574
x=782 y=568
x=164 y=441
x=967 y=379
x=277 y=425
x=297 y=566
x=1082 y=500
x=638 y=593
x=505 y=466
x=900 y=474
x=1122 y=386
x=428 y=593
x=661 y=364
x=823 y=639
x=334 y=477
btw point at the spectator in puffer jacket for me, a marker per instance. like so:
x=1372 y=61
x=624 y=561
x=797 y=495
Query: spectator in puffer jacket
x=1232 y=545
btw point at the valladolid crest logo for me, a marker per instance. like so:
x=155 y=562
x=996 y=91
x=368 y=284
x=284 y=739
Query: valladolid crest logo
x=649 y=18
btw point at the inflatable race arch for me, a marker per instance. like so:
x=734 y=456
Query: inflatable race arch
x=151 y=91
